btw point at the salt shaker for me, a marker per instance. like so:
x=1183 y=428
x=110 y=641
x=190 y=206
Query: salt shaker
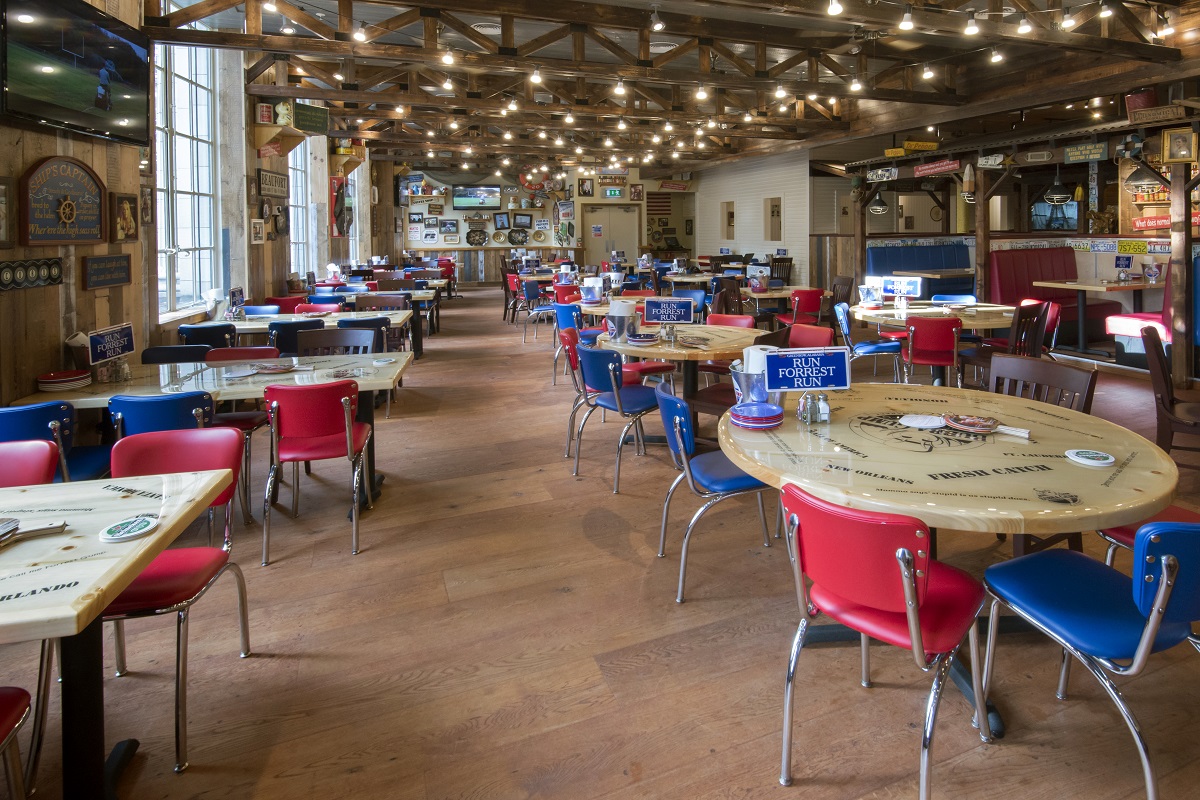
x=822 y=407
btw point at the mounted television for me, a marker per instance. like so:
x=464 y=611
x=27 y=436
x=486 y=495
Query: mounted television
x=68 y=65
x=476 y=198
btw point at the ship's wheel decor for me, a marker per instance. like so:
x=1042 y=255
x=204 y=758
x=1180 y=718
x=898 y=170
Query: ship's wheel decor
x=30 y=272
x=62 y=202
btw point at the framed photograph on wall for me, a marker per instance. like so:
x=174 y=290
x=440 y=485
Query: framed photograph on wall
x=689 y=227
x=500 y=220
x=123 y=217
x=8 y=212
x=1178 y=146
x=146 y=205
x=416 y=218
x=449 y=226
x=587 y=187
x=522 y=220
x=258 y=231
x=431 y=223
x=636 y=192
x=450 y=238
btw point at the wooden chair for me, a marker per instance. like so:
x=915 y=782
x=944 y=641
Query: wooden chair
x=1024 y=339
x=394 y=284
x=781 y=269
x=1045 y=381
x=1173 y=415
x=735 y=303
x=335 y=341
x=397 y=334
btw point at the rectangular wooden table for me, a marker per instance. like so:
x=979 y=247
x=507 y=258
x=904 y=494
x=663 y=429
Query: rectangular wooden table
x=57 y=586
x=260 y=323
x=1081 y=288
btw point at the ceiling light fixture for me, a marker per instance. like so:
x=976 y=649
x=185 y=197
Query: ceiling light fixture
x=1165 y=28
x=855 y=86
x=834 y=9
x=558 y=140
x=447 y=84
x=878 y=205
x=508 y=135
x=429 y=154
x=536 y=77
x=512 y=104
x=747 y=117
x=656 y=138
x=712 y=123
x=701 y=92
x=972 y=25
x=927 y=72
x=542 y=134
x=783 y=107
x=506 y=162
x=1024 y=26
x=1143 y=179
x=621 y=124
x=360 y=33
x=668 y=127
x=467 y=150
x=498 y=173
x=906 y=22
x=779 y=92
x=1068 y=21
x=997 y=56
x=447 y=56
x=812 y=97
x=608 y=142
x=337 y=76
x=287 y=29
x=1105 y=10
x=569 y=119
x=1057 y=194
x=620 y=87
x=270 y=7
x=656 y=23
x=453 y=124
x=466 y=165
x=578 y=150
x=675 y=154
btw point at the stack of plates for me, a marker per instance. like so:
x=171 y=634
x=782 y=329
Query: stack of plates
x=63 y=381
x=590 y=302
x=642 y=339
x=972 y=423
x=756 y=416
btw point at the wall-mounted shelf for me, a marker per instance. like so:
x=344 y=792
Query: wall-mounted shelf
x=287 y=137
x=343 y=164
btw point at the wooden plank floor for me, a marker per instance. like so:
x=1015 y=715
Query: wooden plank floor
x=507 y=632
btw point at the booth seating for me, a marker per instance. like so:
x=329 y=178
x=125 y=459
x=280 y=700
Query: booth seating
x=924 y=258
x=1011 y=274
x=287 y=305
x=1126 y=329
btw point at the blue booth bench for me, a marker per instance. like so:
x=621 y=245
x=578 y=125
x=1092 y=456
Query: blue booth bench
x=1011 y=274
x=925 y=258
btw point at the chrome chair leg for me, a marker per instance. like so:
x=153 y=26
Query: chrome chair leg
x=181 y=649
x=244 y=482
x=865 y=657
x=579 y=437
x=272 y=477
x=12 y=766
x=1064 y=676
x=981 y=718
x=296 y=487
x=941 y=671
x=687 y=539
x=119 y=646
x=785 y=767
x=42 y=706
x=662 y=533
x=762 y=516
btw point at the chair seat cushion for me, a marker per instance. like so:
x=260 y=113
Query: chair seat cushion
x=787 y=318
x=242 y=420
x=877 y=348
x=649 y=367
x=171 y=578
x=1132 y=324
x=716 y=473
x=952 y=599
x=315 y=448
x=87 y=462
x=896 y=336
x=634 y=399
x=1080 y=600
x=715 y=366
x=1124 y=533
x=14 y=702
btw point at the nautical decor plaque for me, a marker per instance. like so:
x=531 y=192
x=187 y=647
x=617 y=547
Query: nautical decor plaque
x=64 y=203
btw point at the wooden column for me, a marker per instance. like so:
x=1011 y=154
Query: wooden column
x=1181 y=277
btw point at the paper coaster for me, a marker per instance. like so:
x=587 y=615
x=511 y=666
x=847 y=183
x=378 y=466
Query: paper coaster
x=132 y=528
x=1091 y=458
x=923 y=421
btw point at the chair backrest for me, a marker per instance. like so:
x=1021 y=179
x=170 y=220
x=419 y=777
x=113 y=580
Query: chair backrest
x=731 y=320
x=384 y=302
x=1160 y=370
x=734 y=302
x=569 y=339
x=335 y=341
x=564 y=290
x=27 y=462
x=842 y=289
x=567 y=315
x=163 y=412
x=213 y=334
x=841 y=313
x=531 y=291
x=676 y=416
x=389 y=275
x=166 y=451
x=637 y=293
x=260 y=310
x=656 y=282
x=777 y=338
x=781 y=268
x=379 y=325
x=601 y=369
x=809 y=336
x=311 y=277
x=282 y=334
x=1028 y=330
x=697 y=298
x=933 y=341
x=362 y=274
x=392 y=284
x=304 y=411
x=350 y=288
x=718 y=304
x=317 y=308
x=1043 y=380
x=53 y=421
x=1153 y=541
x=1053 y=317
x=175 y=353
x=852 y=553
x=241 y=353
x=807 y=301
x=956 y=299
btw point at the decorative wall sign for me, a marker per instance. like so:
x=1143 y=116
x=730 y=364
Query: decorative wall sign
x=146 y=205
x=123 y=217
x=63 y=203
x=8 y=212
x=339 y=209
x=272 y=184
x=29 y=273
x=436 y=209
x=314 y=119
x=102 y=271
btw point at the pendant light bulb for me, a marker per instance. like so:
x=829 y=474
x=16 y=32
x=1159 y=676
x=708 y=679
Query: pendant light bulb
x=1024 y=26
x=779 y=92
x=536 y=77
x=927 y=73
x=855 y=86
x=972 y=25
x=360 y=33
x=906 y=22
x=656 y=23
x=447 y=56
x=701 y=92
x=1068 y=21
x=620 y=87
x=834 y=9
x=997 y=56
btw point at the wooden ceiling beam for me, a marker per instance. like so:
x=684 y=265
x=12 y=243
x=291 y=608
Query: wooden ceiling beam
x=545 y=40
x=302 y=17
x=477 y=38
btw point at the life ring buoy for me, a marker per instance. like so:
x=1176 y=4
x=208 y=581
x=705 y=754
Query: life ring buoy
x=525 y=176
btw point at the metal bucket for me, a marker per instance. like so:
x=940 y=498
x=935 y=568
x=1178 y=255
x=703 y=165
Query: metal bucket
x=592 y=294
x=619 y=327
x=751 y=387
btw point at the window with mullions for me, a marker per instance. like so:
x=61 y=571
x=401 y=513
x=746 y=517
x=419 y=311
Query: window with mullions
x=185 y=185
x=299 y=233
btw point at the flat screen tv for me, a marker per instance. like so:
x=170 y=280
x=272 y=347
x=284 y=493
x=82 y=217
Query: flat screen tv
x=68 y=65
x=476 y=198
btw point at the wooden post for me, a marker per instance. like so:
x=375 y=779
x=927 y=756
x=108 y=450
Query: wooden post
x=1181 y=277
x=983 y=227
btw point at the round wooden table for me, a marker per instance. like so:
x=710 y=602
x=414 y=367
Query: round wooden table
x=995 y=483
x=981 y=316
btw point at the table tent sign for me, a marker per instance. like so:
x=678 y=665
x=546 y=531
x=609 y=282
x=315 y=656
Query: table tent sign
x=670 y=310
x=901 y=287
x=807 y=369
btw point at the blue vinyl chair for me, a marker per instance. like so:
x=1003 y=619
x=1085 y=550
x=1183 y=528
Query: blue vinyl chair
x=886 y=347
x=281 y=334
x=698 y=298
x=327 y=299
x=711 y=476
x=535 y=307
x=55 y=422
x=1107 y=620
x=175 y=353
x=350 y=288
x=260 y=311
x=568 y=315
x=600 y=369
x=163 y=412
x=213 y=334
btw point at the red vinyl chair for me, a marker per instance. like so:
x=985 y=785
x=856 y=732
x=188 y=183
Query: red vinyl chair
x=247 y=422
x=178 y=577
x=932 y=341
x=318 y=308
x=721 y=366
x=14 y=710
x=287 y=305
x=809 y=336
x=29 y=462
x=1121 y=537
x=805 y=310
x=315 y=423
x=872 y=572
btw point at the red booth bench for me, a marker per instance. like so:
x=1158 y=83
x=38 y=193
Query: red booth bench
x=1011 y=274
